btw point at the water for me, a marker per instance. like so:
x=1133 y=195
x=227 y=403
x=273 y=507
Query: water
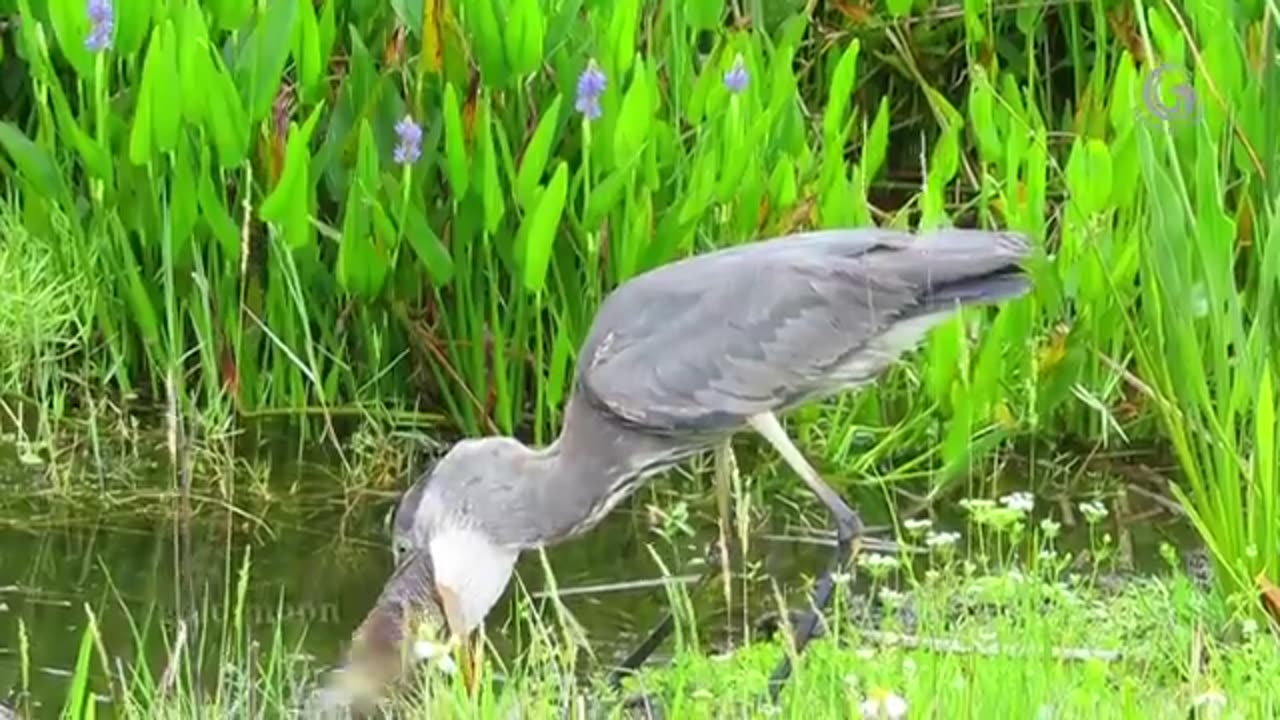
x=324 y=561
x=317 y=563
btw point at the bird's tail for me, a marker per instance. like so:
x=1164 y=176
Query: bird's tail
x=968 y=267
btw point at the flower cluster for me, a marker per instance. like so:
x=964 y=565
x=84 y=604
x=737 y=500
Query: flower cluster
x=102 y=25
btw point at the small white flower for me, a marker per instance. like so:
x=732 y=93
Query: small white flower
x=1210 y=703
x=1023 y=502
x=977 y=505
x=892 y=597
x=1093 y=511
x=916 y=526
x=1050 y=527
x=1249 y=627
x=883 y=705
x=942 y=539
x=865 y=653
x=877 y=561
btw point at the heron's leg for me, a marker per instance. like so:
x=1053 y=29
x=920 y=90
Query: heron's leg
x=848 y=530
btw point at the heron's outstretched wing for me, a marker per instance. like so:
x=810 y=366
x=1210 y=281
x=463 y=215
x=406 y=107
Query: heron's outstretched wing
x=703 y=344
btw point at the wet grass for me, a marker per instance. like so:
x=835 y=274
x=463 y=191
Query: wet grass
x=127 y=314
x=998 y=619
x=1084 y=575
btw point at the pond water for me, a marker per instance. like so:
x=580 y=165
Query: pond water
x=323 y=561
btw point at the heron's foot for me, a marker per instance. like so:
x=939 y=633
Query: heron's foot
x=642 y=706
x=770 y=623
x=848 y=529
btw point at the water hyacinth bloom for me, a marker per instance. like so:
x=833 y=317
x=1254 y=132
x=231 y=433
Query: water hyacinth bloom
x=102 y=25
x=736 y=77
x=591 y=85
x=410 y=147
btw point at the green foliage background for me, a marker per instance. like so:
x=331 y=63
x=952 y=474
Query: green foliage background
x=219 y=191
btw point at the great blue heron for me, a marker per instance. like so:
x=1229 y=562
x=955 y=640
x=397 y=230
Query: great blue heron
x=677 y=360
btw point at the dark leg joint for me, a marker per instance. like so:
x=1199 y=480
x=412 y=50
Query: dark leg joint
x=848 y=529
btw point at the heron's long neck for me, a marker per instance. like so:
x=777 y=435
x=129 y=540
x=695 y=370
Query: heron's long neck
x=589 y=468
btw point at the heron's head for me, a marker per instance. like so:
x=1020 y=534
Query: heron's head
x=455 y=515
x=451 y=566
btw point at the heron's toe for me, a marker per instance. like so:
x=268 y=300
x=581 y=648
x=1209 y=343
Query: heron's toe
x=642 y=706
x=768 y=625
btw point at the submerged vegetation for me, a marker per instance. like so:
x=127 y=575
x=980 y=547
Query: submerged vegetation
x=405 y=214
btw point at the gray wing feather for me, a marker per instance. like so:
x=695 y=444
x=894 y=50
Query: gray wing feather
x=702 y=344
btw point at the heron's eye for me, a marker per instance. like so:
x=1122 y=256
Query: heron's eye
x=399 y=549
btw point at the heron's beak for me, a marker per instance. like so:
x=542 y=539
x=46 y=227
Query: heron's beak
x=470 y=651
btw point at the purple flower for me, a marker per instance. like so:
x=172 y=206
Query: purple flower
x=102 y=25
x=736 y=77
x=410 y=146
x=591 y=85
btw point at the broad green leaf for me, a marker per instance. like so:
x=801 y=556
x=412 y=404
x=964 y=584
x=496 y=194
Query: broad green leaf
x=289 y=204
x=133 y=20
x=634 y=119
x=357 y=256
x=143 y=311
x=841 y=91
x=604 y=197
x=166 y=119
x=704 y=14
x=97 y=159
x=523 y=35
x=621 y=36
x=427 y=246
x=327 y=32
x=140 y=137
x=534 y=160
x=982 y=116
x=231 y=14
x=876 y=145
x=184 y=211
x=71 y=28
x=306 y=52
x=214 y=211
x=486 y=37
x=1089 y=176
x=431 y=33
x=455 y=144
x=1265 y=432
x=193 y=62
x=490 y=184
x=227 y=117
x=260 y=67
x=898 y=8
x=782 y=183
x=32 y=160
x=539 y=229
